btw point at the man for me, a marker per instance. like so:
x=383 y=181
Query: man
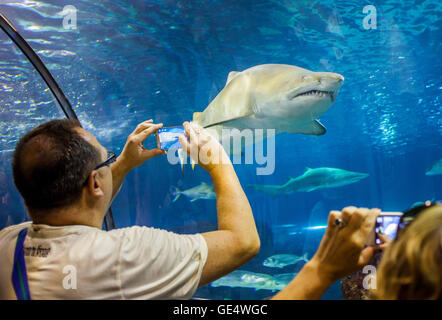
x=68 y=182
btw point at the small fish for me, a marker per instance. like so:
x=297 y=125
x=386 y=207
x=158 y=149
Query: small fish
x=283 y=260
x=201 y=191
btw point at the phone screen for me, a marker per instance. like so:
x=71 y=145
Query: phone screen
x=167 y=138
x=386 y=225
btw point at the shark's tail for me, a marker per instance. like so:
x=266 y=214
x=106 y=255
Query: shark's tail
x=176 y=193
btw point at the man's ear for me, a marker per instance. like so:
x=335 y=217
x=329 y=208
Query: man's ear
x=94 y=185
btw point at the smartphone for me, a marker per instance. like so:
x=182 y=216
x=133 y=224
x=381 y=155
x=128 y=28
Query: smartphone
x=167 y=137
x=386 y=224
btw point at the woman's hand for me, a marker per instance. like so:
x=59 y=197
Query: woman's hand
x=342 y=249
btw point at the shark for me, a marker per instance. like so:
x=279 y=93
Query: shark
x=282 y=97
x=435 y=169
x=201 y=191
x=312 y=179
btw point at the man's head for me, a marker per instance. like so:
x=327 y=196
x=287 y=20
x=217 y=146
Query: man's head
x=53 y=168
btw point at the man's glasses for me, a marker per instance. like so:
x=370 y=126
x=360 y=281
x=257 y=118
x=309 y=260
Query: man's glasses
x=111 y=158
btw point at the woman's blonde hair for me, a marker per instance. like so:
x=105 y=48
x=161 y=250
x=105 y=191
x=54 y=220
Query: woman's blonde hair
x=411 y=267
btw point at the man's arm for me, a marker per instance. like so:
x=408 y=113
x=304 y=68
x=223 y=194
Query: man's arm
x=119 y=172
x=236 y=241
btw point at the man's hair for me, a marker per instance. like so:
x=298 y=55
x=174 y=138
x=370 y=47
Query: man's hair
x=51 y=164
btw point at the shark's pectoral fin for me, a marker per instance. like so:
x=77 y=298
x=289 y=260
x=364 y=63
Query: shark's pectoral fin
x=194 y=199
x=229 y=122
x=314 y=128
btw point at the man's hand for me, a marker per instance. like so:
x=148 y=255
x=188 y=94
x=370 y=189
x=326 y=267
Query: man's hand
x=203 y=148
x=134 y=153
x=342 y=249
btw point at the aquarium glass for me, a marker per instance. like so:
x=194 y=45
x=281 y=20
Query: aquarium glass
x=123 y=62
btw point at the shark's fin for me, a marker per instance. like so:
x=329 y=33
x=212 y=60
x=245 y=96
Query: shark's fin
x=194 y=199
x=314 y=128
x=229 y=122
x=231 y=75
x=307 y=169
x=176 y=192
x=196 y=116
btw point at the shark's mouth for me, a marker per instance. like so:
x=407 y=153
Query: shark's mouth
x=317 y=93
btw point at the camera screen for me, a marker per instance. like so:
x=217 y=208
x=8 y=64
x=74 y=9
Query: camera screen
x=168 y=137
x=387 y=225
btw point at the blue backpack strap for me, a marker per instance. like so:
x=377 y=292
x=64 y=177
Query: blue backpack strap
x=19 y=276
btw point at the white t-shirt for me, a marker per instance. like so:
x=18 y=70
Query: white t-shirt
x=81 y=262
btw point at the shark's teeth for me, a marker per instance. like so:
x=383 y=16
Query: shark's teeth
x=317 y=93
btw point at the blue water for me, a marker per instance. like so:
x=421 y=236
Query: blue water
x=132 y=60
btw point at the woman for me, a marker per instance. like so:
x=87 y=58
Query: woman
x=411 y=267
